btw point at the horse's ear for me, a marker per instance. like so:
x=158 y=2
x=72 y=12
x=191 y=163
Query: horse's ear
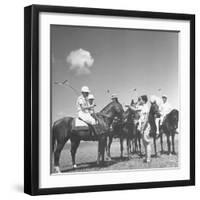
x=132 y=102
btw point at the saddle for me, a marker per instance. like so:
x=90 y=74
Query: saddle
x=78 y=124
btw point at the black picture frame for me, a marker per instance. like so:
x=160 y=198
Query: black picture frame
x=31 y=98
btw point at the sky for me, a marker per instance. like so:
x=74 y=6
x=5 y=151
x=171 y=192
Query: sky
x=118 y=60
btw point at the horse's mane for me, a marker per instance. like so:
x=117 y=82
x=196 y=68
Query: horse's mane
x=106 y=108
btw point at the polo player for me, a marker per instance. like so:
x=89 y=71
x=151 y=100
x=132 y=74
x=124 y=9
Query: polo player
x=91 y=103
x=165 y=109
x=84 y=110
x=144 y=125
x=84 y=107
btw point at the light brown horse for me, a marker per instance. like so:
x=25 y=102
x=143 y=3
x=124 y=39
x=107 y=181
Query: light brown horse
x=62 y=131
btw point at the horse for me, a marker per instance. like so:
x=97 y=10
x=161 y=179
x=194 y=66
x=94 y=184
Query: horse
x=169 y=126
x=125 y=129
x=136 y=141
x=62 y=131
x=153 y=114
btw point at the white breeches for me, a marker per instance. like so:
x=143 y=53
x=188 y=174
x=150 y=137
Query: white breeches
x=162 y=119
x=86 y=117
x=157 y=120
x=147 y=142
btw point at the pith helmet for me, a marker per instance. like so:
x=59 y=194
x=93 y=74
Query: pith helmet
x=114 y=96
x=91 y=96
x=153 y=99
x=85 y=89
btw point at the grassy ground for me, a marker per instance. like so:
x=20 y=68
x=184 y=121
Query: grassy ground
x=87 y=154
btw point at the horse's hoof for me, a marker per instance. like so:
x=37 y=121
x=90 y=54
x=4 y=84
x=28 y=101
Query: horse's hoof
x=174 y=153
x=161 y=152
x=57 y=170
x=109 y=159
x=146 y=160
x=74 y=166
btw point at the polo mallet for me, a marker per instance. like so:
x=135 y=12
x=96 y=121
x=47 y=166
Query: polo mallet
x=66 y=84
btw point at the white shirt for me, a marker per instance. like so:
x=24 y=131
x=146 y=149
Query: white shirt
x=82 y=101
x=144 y=110
x=165 y=108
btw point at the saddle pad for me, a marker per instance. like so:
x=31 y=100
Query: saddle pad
x=79 y=124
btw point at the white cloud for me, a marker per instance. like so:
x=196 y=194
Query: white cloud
x=80 y=61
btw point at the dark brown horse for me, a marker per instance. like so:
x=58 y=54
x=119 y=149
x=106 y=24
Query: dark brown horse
x=125 y=129
x=169 y=126
x=62 y=131
x=153 y=114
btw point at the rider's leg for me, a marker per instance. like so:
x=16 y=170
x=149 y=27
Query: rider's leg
x=147 y=143
x=157 y=121
x=86 y=117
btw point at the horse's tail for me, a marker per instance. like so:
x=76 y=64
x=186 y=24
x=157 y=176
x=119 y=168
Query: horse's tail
x=53 y=139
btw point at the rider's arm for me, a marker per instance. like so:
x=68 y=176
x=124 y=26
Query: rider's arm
x=84 y=107
x=133 y=108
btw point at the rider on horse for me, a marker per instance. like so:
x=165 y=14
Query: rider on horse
x=164 y=109
x=85 y=109
x=91 y=103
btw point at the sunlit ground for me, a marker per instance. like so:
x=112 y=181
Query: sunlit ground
x=87 y=154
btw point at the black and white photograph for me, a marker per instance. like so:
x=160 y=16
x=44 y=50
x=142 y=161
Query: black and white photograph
x=114 y=99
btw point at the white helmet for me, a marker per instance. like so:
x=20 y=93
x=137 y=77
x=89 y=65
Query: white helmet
x=114 y=96
x=153 y=99
x=90 y=96
x=85 y=89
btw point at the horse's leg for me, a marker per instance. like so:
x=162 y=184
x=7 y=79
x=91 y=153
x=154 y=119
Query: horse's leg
x=59 y=147
x=109 y=146
x=155 y=147
x=135 y=145
x=173 y=144
x=168 y=144
x=161 y=143
x=140 y=146
x=101 y=148
x=74 y=145
x=98 y=153
x=128 y=147
x=121 y=147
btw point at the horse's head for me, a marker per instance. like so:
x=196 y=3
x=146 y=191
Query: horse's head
x=118 y=110
x=131 y=115
x=154 y=110
x=113 y=109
